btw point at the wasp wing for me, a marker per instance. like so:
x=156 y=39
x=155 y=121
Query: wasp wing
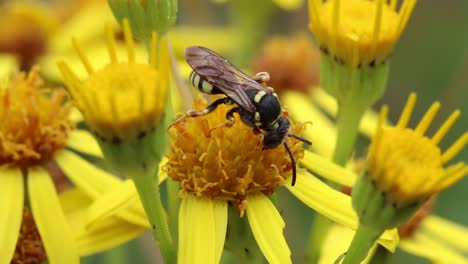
x=220 y=73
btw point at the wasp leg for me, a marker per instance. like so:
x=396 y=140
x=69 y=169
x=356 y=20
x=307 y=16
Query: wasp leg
x=262 y=77
x=210 y=108
x=229 y=117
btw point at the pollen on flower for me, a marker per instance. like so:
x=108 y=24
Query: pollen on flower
x=229 y=164
x=34 y=125
x=407 y=165
x=292 y=62
x=124 y=98
x=359 y=32
x=29 y=248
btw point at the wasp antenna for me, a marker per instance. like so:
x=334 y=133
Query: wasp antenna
x=293 y=162
x=300 y=139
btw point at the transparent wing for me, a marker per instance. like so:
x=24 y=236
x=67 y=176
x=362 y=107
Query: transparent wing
x=221 y=73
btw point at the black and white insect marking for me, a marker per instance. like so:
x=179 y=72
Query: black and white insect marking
x=258 y=106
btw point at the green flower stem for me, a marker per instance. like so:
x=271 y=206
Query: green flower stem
x=173 y=203
x=240 y=240
x=317 y=235
x=150 y=196
x=363 y=241
x=348 y=119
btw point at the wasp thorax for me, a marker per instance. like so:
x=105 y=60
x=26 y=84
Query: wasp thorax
x=228 y=164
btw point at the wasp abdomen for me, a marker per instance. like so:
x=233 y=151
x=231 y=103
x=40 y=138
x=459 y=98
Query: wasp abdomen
x=203 y=85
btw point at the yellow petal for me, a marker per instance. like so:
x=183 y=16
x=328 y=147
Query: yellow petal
x=322 y=132
x=75 y=115
x=368 y=124
x=84 y=142
x=452 y=233
x=90 y=179
x=72 y=200
x=333 y=204
x=202 y=230
x=328 y=169
x=94 y=182
x=337 y=242
x=289 y=4
x=121 y=196
x=11 y=208
x=425 y=246
x=107 y=234
x=267 y=227
x=55 y=232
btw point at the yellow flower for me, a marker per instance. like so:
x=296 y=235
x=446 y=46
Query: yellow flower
x=229 y=166
x=35 y=133
x=435 y=238
x=409 y=166
x=359 y=32
x=124 y=98
x=125 y=104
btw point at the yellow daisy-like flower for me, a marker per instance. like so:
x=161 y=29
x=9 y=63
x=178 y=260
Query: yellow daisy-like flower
x=409 y=166
x=229 y=166
x=434 y=238
x=359 y=32
x=35 y=132
x=125 y=104
x=138 y=89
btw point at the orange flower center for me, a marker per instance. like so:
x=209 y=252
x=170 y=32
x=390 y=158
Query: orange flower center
x=230 y=164
x=34 y=125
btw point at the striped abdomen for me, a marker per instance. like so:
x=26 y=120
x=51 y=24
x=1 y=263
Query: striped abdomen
x=203 y=85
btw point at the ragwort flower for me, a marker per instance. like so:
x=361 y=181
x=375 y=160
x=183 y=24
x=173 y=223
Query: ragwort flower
x=356 y=38
x=433 y=238
x=404 y=169
x=35 y=134
x=229 y=167
x=125 y=103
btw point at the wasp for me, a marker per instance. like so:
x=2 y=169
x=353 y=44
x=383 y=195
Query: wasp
x=257 y=105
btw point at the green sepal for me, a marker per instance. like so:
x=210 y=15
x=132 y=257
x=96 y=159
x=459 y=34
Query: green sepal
x=153 y=16
x=375 y=208
x=353 y=85
x=140 y=153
